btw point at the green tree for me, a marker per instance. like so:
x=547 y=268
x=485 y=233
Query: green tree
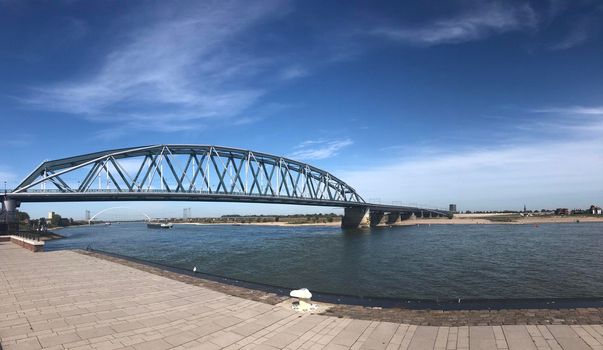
x=56 y=220
x=22 y=216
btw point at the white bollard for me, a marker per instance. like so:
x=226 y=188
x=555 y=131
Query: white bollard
x=304 y=296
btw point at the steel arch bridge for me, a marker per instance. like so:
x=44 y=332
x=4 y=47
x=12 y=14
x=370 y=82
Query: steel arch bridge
x=184 y=172
x=148 y=218
x=191 y=173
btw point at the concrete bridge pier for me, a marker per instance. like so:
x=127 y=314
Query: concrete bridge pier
x=376 y=217
x=393 y=217
x=355 y=217
x=9 y=214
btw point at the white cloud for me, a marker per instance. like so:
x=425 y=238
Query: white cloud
x=293 y=72
x=573 y=110
x=188 y=64
x=564 y=170
x=543 y=174
x=482 y=20
x=319 y=149
x=576 y=121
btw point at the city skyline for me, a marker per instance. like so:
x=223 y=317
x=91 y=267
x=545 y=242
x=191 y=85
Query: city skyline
x=488 y=105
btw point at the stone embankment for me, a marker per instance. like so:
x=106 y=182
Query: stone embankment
x=29 y=244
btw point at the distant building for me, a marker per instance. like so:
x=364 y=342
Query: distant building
x=51 y=214
x=452 y=208
x=594 y=210
x=562 y=211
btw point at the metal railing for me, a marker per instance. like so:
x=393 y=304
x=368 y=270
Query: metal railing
x=32 y=236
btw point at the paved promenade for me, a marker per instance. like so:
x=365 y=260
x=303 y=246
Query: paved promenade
x=66 y=300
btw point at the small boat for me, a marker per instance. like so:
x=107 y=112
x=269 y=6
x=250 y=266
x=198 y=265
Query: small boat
x=160 y=225
x=107 y=224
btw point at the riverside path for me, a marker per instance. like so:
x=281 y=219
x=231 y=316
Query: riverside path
x=68 y=300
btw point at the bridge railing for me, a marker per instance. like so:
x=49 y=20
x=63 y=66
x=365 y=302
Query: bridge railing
x=301 y=199
x=240 y=193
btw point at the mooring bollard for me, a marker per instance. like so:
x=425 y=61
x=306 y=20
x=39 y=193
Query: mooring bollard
x=304 y=303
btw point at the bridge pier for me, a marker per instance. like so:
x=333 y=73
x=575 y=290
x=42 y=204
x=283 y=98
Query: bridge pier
x=9 y=214
x=355 y=217
x=393 y=218
x=376 y=217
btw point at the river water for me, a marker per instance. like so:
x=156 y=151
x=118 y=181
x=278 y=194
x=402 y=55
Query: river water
x=426 y=261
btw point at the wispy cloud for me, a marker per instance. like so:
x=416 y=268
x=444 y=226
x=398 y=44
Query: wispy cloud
x=580 y=30
x=319 y=149
x=183 y=68
x=565 y=173
x=559 y=164
x=478 y=22
x=571 y=110
x=574 y=38
x=293 y=72
x=570 y=121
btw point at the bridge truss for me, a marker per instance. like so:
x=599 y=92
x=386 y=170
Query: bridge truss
x=184 y=172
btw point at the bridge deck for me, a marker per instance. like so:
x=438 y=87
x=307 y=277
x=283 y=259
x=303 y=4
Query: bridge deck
x=58 y=196
x=66 y=300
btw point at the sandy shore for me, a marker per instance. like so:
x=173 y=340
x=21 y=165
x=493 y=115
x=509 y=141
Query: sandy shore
x=463 y=219
x=531 y=220
x=285 y=224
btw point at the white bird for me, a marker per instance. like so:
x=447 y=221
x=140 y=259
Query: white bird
x=195 y=269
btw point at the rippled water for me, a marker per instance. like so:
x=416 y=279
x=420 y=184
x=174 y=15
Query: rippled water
x=437 y=261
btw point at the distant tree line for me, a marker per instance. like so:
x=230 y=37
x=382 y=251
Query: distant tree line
x=247 y=219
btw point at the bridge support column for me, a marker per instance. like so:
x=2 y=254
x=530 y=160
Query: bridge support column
x=356 y=217
x=376 y=217
x=393 y=218
x=9 y=215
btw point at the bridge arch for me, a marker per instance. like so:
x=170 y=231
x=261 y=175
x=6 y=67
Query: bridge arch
x=113 y=208
x=191 y=172
x=195 y=173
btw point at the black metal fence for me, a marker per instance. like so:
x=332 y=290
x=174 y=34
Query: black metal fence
x=34 y=236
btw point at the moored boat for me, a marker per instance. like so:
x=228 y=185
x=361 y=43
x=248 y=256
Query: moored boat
x=160 y=225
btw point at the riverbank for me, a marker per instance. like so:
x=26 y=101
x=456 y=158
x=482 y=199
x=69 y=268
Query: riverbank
x=276 y=223
x=501 y=220
x=461 y=219
x=430 y=315
x=91 y=302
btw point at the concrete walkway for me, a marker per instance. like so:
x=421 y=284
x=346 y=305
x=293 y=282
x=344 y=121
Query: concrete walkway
x=66 y=300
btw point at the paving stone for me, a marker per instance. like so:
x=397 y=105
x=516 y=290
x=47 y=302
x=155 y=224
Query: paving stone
x=424 y=338
x=567 y=338
x=518 y=338
x=481 y=338
x=58 y=339
x=24 y=344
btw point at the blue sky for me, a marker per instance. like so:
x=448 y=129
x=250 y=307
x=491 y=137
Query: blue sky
x=487 y=104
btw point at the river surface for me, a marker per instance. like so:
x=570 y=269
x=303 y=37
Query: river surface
x=437 y=261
